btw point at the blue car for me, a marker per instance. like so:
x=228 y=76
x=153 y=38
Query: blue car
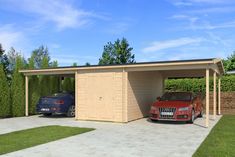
x=58 y=103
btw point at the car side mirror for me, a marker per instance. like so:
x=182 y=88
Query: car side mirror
x=158 y=98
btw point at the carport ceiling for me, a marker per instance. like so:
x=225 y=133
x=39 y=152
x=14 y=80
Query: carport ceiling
x=184 y=73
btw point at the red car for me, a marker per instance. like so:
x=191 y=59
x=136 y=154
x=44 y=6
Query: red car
x=177 y=106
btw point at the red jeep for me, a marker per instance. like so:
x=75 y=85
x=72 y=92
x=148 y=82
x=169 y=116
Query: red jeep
x=177 y=106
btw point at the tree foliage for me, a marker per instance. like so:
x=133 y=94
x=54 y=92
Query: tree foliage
x=87 y=64
x=17 y=89
x=45 y=80
x=229 y=63
x=39 y=55
x=5 y=62
x=67 y=84
x=117 y=53
x=34 y=93
x=12 y=56
x=199 y=84
x=54 y=80
x=4 y=94
x=74 y=64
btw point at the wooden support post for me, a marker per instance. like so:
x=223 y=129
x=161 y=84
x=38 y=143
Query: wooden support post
x=219 y=96
x=207 y=97
x=76 y=95
x=214 y=96
x=26 y=96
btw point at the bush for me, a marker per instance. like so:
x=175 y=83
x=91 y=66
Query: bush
x=17 y=90
x=4 y=94
x=34 y=94
x=199 y=84
x=45 y=86
x=54 y=84
x=228 y=83
x=67 y=84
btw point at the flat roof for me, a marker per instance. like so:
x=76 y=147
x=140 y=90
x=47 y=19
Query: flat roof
x=214 y=61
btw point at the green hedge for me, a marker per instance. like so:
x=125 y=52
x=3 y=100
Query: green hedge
x=18 y=90
x=4 y=94
x=199 y=84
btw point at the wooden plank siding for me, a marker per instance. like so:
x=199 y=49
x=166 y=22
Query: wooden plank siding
x=143 y=89
x=100 y=96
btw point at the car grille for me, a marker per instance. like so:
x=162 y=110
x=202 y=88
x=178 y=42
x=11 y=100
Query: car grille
x=167 y=113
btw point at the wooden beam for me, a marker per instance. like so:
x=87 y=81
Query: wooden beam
x=76 y=95
x=207 y=97
x=219 y=96
x=26 y=96
x=214 y=95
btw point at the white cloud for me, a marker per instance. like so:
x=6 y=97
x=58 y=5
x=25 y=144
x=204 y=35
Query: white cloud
x=212 y=1
x=11 y=38
x=217 y=40
x=62 y=13
x=118 y=28
x=183 y=3
x=226 y=9
x=209 y=26
x=160 y=45
x=191 y=19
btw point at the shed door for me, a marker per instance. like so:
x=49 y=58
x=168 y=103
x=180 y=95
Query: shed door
x=101 y=96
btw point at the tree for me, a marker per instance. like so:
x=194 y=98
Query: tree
x=117 y=53
x=12 y=56
x=67 y=84
x=108 y=56
x=34 y=93
x=5 y=62
x=74 y=64
x=54 y=64
x=229 y=63
x=17 y=89
x=1 y=50
x=4 y=94
x=45 y=80
x=39 y=54
x=87 y=64
x=54 y=80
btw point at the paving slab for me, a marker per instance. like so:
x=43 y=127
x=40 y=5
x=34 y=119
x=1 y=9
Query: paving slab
x=140 y=138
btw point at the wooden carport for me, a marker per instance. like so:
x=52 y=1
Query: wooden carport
x=182 y=68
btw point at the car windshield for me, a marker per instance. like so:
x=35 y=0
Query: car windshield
x=176 y=96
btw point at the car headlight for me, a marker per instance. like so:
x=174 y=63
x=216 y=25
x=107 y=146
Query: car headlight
x=184 y=109
x=153 y=108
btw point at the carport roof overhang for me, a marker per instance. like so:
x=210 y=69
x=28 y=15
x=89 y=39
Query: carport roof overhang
x=178 y=68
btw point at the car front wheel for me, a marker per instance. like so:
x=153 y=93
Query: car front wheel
x=71 y=111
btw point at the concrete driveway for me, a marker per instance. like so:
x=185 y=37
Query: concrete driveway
x=137 y=138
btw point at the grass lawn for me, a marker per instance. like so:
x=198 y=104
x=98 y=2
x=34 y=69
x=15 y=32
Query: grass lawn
x=221 y=140
x=31 y=137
